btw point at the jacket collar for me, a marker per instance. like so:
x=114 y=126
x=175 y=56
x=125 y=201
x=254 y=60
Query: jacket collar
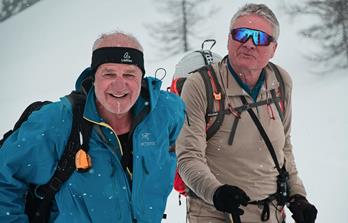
x=232 y=88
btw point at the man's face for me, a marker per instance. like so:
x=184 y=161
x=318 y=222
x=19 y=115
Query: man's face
x=117 y=87
x=246 y=56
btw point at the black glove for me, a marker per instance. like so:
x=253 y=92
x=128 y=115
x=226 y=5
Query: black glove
x=228 y=198
x=302 y=211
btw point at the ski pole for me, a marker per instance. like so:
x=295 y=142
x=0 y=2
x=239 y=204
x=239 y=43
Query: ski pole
x=232 y=218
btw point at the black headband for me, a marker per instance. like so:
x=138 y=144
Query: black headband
x=122 y=55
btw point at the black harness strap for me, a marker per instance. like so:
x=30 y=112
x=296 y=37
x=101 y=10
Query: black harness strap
x=209 y=91
x=66 y=164
x=210 y=112
x=262 y=132
x=282 y=189
x=220 y=117
x=282 y=89
x=274 y=97
x=265 y=214
x=239 y=110
x=247 y=106
x=233 y=131
x=280 y=80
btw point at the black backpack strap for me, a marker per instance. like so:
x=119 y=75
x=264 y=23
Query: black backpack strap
x=81 y=128
x=263 y=133
x=267 y=101
x=282 y=193
x=280 y=112
x=282 y=89
x=208 y=90
x=233 y=131
x=238 y=110
x=214 y=93
x=218 y=95
x=87 y=84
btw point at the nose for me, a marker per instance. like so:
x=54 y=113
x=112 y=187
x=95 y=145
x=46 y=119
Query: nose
x=119 y=83
x=249 y=44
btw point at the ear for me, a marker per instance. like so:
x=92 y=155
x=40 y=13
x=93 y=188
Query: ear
x=229 y=38
x=274 y=47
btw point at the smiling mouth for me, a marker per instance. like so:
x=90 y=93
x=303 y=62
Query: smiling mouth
x=118 y=95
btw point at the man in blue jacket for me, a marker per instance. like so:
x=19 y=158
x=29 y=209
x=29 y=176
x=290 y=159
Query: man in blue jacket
x=115 y=189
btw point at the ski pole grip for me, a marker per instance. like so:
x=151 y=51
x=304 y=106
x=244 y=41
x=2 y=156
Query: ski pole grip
x=236 y=218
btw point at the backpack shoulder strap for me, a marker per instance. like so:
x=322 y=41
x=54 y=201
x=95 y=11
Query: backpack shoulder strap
x=80 y=130
x=283 y=176
x=263 y=133
x=281 y=108
x=208 y=90
x=214 y=93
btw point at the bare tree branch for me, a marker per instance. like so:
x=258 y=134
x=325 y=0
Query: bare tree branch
x=12 y=7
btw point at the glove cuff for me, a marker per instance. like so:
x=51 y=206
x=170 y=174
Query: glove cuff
x=297 y=197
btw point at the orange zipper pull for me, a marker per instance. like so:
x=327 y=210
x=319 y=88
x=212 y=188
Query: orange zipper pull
x=83 y=161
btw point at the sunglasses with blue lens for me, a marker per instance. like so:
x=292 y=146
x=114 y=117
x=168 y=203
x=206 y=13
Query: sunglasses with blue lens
x=259 y=37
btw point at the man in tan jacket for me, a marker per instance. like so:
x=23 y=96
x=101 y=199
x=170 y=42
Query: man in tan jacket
x=233 y=172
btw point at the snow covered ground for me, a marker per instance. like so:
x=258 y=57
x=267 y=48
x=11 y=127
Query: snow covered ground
x=44 y=48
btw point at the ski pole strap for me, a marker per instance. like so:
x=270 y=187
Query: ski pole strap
x=263 y=133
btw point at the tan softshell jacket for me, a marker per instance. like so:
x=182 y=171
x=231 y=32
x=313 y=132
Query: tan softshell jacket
x=247 y=163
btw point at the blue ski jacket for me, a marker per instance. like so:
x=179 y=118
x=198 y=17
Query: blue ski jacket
x=103 y=194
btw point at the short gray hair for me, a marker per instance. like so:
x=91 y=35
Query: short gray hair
x=126 y=37
x=261 y=10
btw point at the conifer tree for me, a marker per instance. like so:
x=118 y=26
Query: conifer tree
x=330 y=31
x=9 y=8
x=185 y=17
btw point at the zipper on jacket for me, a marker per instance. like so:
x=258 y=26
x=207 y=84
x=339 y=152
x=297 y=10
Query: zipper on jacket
x=103 y=124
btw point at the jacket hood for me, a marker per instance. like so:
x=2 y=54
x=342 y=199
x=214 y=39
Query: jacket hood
x=87 y=73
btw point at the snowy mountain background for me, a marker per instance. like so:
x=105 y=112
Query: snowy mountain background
x=44 y=49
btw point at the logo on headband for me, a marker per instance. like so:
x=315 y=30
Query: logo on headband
x=127 y=58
